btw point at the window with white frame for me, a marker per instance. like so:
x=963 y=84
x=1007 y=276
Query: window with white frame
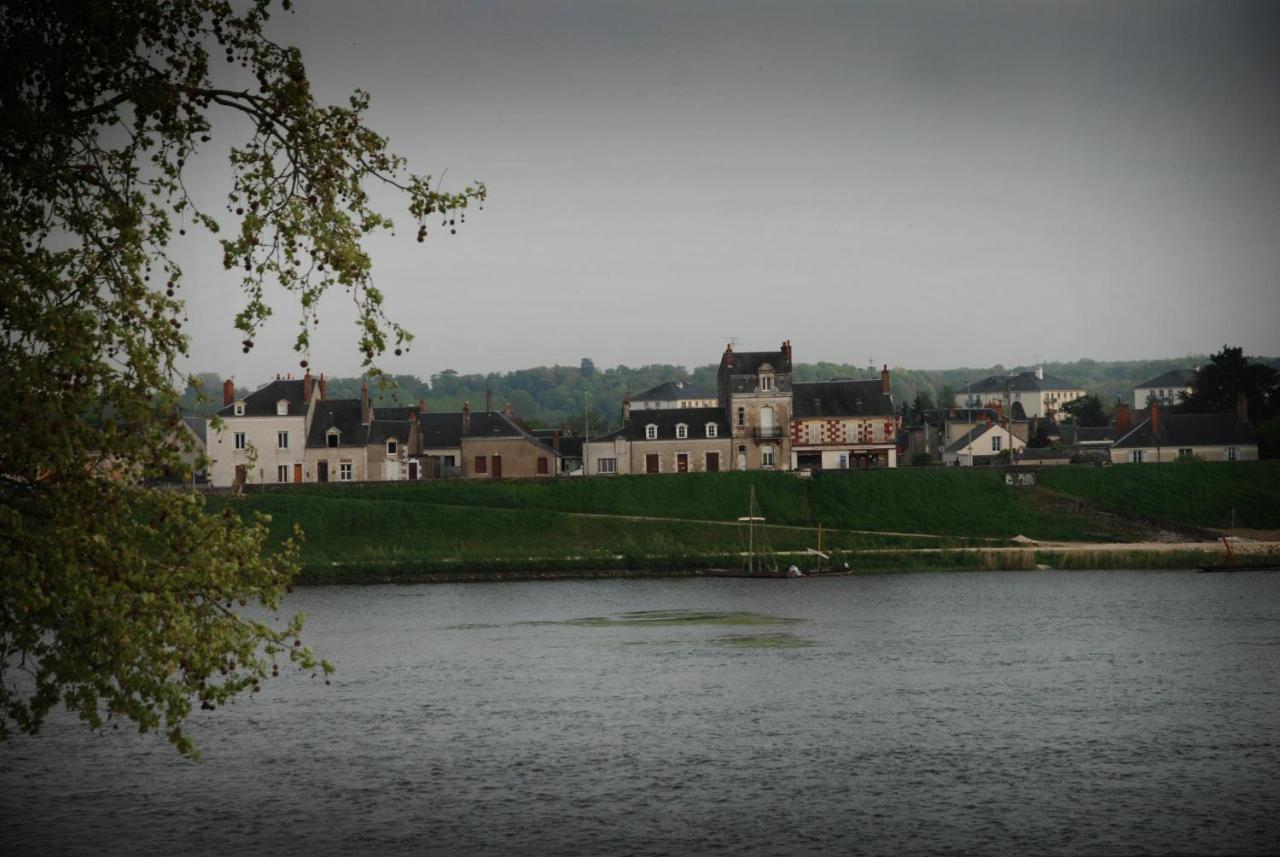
x=606 y=465
x=282 y=440
x=682 y=431
x=282 y=408
x=713 y=430
x=392 y=446
x=344 y=471
x=767 y=457
x=333 y=438
x=239 y=409
x=651 y=432
x=742 y=417
x=1137 y=455
x=995 y=443
x=766 y=383
x=282 y=473
x=1231 y=453
x=240 y=440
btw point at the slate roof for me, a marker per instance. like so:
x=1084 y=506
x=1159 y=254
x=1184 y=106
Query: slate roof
x=839 y=399
x=740 y=370
x=1020 y=383
x=1190 y=430
x=666 y=419
x=496 y=424
x=570 y=444
x=197 y=425
x=1176 y=378
x=1096 y=435
x=342 y=414
x=380 y=431
x=749 y=362
x=961 y=443
x=673 y=391
x=399 y=412
x=440 y=430
x=262 y=401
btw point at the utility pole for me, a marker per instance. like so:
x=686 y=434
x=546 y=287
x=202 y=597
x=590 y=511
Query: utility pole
x=586 y=433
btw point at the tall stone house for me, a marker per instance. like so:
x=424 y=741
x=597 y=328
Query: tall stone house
x=754 y=388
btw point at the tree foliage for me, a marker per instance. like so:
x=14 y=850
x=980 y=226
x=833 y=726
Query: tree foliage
x=1087 y=410
x=1229 y=374
x=116 y=599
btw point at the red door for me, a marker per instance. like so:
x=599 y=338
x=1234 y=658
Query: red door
x=497 y=467
x=297 y=473
x=651 y=463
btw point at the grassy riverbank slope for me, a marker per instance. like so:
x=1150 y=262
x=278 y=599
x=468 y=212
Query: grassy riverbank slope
x=681 y=520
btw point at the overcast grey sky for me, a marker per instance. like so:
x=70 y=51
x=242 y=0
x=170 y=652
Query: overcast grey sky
x=928 y=184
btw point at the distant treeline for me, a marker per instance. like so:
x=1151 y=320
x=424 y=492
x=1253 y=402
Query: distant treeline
x=548 y=396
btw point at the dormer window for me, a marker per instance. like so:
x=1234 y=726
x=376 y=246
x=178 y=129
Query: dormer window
x=682 y=431
x=766 y=378
x=391 y=447
x=282 y=408
x=713 y=430
x=239 y=409
x=333 y=438
x=651 y=432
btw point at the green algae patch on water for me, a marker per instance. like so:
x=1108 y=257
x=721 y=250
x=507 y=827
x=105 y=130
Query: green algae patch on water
x=672 y=618
x=779 y=640
x=762 y=641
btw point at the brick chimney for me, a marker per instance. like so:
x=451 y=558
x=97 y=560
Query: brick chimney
x=466 y=418
x=1242 y=408
x=324 y=387
x=786 y=353
x=366 y=410
x=1155 y=417
x=884 y=379
x=228 y=392
x=1121 y=415
x=307 y=384
x=422 y=406
x=555 y=441
x=626 y=405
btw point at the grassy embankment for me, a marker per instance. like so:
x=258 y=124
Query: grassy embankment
x=676 y=523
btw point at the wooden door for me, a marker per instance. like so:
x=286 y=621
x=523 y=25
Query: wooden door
x=322 y=471
x=497 y=467
x=713 y=462
x=297 y=473
x=242 y=473
x=413 y=470
x=651 y=462
x=542 y=465
x=682 y=462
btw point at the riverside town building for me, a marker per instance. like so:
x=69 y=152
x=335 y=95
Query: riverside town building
x=757 y=418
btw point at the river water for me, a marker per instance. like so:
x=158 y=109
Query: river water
x=999 y=713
